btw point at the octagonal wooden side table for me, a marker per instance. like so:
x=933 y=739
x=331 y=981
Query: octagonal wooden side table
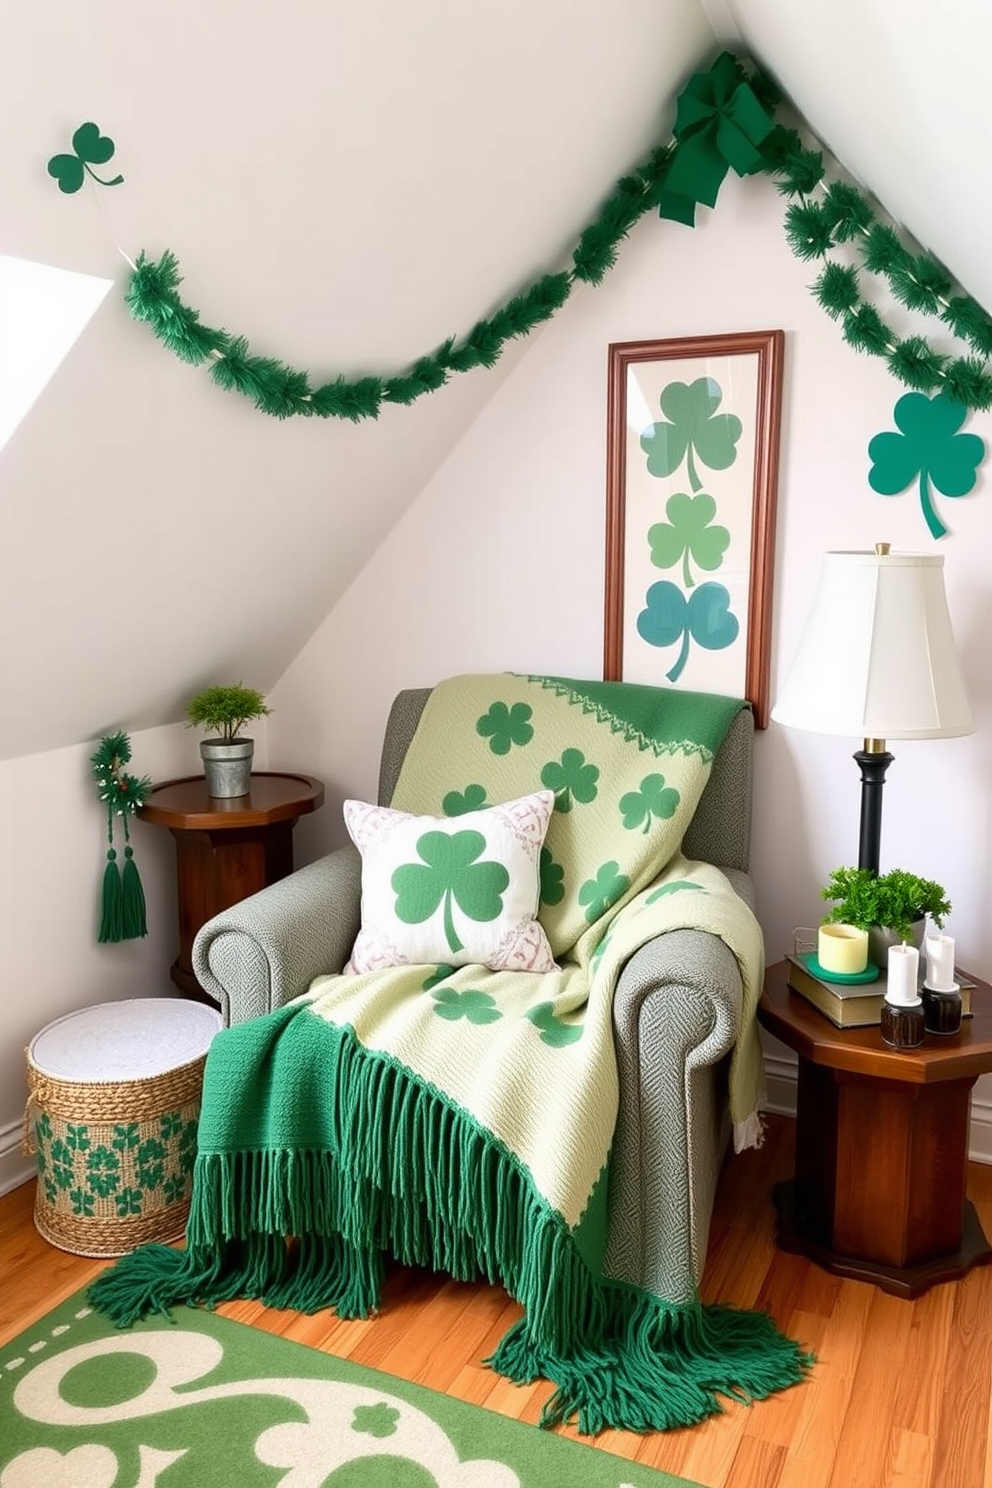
x=226 y=849
x=881 y=1145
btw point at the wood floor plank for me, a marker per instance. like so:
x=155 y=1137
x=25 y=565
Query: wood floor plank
x=900 y=1389
x=864 y=1451
x=912 y=1461
x=920 y=1374
x=821 y=1422
x=959 y=1461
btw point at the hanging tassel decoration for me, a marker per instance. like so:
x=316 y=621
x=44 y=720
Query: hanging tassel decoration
x=133 y=921
x=111 y=919
x=122 y=899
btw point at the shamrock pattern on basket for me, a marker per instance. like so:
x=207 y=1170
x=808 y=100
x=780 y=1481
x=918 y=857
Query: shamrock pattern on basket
x=119 y=1170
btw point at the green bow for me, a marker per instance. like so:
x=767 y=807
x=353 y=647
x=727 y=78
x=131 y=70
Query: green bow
x=719 y=123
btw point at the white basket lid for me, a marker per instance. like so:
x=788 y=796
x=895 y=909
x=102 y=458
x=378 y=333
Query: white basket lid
x=132 y=1040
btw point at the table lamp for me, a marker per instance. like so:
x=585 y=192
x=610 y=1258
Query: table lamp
x=877 y=660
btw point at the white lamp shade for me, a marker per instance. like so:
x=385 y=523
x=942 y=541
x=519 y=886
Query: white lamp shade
x=877 y=658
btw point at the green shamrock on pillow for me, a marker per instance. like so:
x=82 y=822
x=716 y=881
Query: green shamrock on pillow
x=449 y=874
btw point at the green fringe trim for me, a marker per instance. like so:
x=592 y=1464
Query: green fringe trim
x=408 y=1173
x=656 y=1366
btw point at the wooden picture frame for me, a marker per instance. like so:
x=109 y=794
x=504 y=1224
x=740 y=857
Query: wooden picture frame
x=697 y=419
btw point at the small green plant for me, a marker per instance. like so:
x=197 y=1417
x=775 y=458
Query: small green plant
x=224 y=711
x=895 y=899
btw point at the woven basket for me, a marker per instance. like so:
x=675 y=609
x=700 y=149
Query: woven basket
x=115 y=1158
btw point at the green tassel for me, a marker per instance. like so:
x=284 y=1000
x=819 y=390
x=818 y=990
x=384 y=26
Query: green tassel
x=111 y=907
x=882 y=250
x=916 y=364
x=133 y=923
x=425 y=376
x=837 y=289
x=351 y=400
x=655 y=1367
x=865 y=330
x=966 y=381
x=969 y=321
x=801 y=170
x=846 y=211
x=808 y=230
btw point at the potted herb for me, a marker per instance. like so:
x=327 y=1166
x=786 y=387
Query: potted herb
x=227 y=757
x=891 y=906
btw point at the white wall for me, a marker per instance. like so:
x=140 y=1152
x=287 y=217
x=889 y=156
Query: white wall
x=499 y=564
x=55 y=843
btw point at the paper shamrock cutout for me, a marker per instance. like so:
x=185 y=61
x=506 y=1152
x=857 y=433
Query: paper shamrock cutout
x=705 y=617
x=929 y=447
x=91 y=148
x=693 y=426
x=688 y=534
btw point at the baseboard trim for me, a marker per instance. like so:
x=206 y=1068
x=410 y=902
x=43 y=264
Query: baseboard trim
x=15 y=1166
x=781 y=1080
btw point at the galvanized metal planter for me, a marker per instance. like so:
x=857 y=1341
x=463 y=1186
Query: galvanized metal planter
x=227 y=767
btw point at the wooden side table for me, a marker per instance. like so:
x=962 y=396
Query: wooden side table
x=881 y=1145
x=226 y=849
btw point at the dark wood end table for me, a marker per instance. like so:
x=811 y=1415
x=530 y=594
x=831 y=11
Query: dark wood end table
x=881 y=1145
x=226 y=849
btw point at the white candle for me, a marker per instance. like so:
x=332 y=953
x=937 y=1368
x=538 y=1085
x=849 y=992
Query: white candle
x=904 y=962
x=842 y=948
x=940 y=963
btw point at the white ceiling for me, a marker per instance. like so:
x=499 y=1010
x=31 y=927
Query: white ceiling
x=348 y=185
x=899 y=92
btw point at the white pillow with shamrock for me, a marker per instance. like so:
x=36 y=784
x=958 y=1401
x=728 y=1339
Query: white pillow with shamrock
x=459 y=891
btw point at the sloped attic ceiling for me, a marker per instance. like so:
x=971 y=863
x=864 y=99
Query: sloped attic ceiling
x=899 y=93
x=347 y=185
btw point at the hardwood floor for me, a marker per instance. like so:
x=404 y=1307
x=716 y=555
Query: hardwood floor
x=899 y=1398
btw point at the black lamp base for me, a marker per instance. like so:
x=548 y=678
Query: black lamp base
x=873 y=766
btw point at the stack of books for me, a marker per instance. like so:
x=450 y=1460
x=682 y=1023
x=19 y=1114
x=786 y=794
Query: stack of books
x=852 y=1004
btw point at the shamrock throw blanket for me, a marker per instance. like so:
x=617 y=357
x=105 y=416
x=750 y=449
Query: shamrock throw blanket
x=456 y=1116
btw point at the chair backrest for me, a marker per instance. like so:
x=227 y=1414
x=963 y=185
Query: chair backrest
x=720 y=831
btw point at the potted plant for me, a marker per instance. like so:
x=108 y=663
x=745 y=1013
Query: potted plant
x=227 y=757
x=891 y=906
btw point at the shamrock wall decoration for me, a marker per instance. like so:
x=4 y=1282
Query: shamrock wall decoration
x=929 y=448
x=90 y=147
x=695 y=429
x=705 y=617
x=688 y=534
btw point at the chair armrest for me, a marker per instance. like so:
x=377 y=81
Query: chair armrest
x=267 y=949
x=676 y=1014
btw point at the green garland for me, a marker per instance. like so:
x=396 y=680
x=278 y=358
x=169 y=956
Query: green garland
x=282 y=391
x=122 y=906
x=725 y=118
x=843 y=215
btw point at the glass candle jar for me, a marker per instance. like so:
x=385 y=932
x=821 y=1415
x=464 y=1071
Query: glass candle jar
x=902 y=1024
x=941 y=1010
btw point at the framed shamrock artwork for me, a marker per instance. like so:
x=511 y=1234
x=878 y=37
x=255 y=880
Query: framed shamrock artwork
x=692 y=473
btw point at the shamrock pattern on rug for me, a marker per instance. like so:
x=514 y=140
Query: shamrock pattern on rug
x=195 y=1398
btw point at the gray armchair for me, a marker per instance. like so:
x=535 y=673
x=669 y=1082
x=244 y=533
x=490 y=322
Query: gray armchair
x=676 y=1012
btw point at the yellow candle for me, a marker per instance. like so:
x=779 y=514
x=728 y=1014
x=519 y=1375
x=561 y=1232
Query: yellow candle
x=842 y=948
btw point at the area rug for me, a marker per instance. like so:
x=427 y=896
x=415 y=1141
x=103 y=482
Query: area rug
x=197 y=1401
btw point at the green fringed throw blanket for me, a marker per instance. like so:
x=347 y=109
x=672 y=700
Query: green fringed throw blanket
x=461 y=1118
